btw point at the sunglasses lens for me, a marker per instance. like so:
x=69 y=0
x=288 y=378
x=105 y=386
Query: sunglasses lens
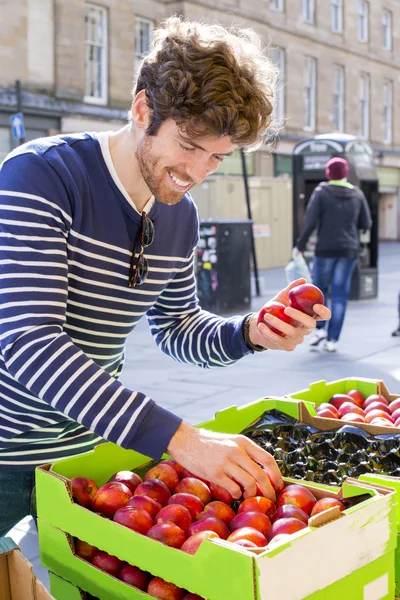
x=141 y=270
x=147 y=231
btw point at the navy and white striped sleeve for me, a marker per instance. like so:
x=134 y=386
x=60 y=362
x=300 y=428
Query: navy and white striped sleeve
x=189 y=334
x=35 y=217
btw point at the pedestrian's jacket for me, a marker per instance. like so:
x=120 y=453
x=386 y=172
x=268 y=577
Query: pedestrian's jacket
x=338 y=210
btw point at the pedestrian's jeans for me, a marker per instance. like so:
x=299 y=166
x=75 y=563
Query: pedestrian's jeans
x=17 y=498
x=334 y=273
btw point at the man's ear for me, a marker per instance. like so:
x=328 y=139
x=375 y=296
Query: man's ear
x=140 y=111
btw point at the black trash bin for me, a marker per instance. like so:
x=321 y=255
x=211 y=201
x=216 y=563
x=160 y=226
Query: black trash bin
x=223 y=265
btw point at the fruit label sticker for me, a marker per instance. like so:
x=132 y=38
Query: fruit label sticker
x=377 y=589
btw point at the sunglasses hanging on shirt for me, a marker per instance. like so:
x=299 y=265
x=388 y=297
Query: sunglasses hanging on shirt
x=139 y=266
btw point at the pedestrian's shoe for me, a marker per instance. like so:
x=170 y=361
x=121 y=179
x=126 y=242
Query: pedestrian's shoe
x=330 y=346
x=396 y=333
x=316 y=341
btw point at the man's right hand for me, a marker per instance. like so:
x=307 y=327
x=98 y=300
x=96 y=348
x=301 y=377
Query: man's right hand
x=232 y=461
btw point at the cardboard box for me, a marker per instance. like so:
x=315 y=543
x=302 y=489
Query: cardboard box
x=17 y=580
x=351 y=557
x=394 y=483
x=320 y=392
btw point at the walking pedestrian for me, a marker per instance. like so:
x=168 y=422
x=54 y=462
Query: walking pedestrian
x=98 y=230
x=338 y=210
x=396 y=332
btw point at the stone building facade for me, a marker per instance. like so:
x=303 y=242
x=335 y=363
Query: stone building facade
x=339 y=62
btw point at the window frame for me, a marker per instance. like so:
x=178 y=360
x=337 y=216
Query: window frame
x=388 y=111
x=139 y=56
x=277 y=5
x=310 y=100
x=337 y=7
x=363 y=22
x=308 y=11
x=339 y=92
x=103 y=99
x=387 y=28
x=279 y=60
x=365 y=100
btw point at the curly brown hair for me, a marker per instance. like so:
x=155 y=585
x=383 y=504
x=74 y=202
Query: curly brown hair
x=212 y=81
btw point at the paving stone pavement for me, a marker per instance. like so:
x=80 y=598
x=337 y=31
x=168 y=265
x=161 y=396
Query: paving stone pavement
x=366 y=350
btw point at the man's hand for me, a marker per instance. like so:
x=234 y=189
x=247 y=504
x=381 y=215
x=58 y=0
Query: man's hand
x=231 y=461
x=261 y=335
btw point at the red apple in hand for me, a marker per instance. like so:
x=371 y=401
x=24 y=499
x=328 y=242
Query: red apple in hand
x=277 y=309
x=83 y=490
x=303 y=297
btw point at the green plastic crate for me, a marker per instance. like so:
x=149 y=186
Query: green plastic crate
x=354 y=553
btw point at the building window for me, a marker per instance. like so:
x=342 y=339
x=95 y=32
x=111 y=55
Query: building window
x=337 y=16
x=388 y=111
x=387 y=29
x=96 y=54
x=277 y=5
x=364 y=105
x=278 y=58
x=310 y=93
x=143 y=37
x=309 y=11
x=363 y=11
x=338 y=98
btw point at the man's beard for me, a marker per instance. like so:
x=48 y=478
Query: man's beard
x=155 y=179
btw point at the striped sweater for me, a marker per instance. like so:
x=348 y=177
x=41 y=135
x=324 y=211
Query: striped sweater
x=67 y=229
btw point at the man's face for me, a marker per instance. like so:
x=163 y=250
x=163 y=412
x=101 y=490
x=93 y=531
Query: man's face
x=171 y=163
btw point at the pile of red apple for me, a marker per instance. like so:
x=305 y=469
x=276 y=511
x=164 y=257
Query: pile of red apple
x=353 y=407
x=180 y=510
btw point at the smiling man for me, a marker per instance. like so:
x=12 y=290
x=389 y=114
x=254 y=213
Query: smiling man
x=98 y=230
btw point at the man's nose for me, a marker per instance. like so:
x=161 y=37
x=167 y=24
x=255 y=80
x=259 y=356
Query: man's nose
x=198 y=171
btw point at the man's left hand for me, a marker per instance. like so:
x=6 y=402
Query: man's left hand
x=261 y=335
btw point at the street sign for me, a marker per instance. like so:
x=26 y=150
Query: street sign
x=17 y=126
